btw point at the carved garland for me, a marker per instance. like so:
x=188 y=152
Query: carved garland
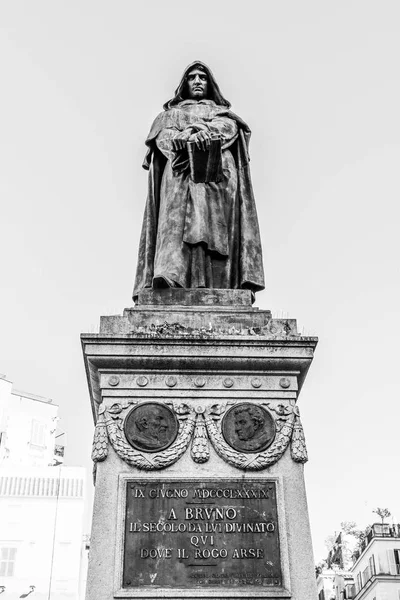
x=113 y=423
x=256 y=461
x=298 y=447
x=206 y=425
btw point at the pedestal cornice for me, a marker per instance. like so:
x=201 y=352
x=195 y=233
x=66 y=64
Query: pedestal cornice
x=123 y=346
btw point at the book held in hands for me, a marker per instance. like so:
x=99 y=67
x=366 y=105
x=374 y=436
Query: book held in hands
x=205 y=165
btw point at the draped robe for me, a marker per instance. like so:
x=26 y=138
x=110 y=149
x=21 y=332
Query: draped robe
x=199 y=235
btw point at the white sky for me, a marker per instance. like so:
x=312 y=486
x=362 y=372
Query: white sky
x=318 y=83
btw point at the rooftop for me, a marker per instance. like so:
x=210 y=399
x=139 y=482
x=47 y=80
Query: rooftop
x=377 y=530
x=36 y=397
x=33 y=397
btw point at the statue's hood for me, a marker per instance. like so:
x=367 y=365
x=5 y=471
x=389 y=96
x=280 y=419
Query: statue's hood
x=214 y=93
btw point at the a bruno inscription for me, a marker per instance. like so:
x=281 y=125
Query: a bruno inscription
x=187 y=534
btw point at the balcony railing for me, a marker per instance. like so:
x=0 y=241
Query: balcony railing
x=378 y=530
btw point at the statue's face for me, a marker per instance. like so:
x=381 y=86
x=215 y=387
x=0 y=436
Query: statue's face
x=156 y=426
x=244 y=426
x=197 y=82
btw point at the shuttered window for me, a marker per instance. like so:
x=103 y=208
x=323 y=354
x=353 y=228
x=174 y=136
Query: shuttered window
x=397 y=561
x=392 y=563
x=38 y=433
x=7 y=561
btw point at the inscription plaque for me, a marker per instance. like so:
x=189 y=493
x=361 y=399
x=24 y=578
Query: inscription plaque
x=188 y=534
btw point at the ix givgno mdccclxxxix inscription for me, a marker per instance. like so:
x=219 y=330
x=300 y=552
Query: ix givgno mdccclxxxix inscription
x=185 y=534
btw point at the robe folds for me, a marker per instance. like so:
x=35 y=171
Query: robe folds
x=199 y=235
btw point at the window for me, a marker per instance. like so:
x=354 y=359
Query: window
x=359 y=581
x=321 y=595
x=349 y=591
x=372 y=565
x=38 y=433
x=393 y=561
x=397 y=562
x=7 y=561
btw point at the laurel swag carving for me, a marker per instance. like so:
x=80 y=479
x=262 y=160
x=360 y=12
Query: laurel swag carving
x=298 y=448
x=287 y=422
x=100 y=438
x=200 y=451
x=203 y=425
x=114 y=418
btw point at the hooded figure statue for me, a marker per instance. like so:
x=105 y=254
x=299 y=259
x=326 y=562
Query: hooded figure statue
x=199 y=235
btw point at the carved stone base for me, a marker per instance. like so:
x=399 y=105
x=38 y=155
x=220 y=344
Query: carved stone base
x=195 y=297
x=197 y=313
x=201 y=394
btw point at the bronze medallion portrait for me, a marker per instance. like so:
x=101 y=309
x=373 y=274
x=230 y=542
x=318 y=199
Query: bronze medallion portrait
x=248 y=427
x=151 y=427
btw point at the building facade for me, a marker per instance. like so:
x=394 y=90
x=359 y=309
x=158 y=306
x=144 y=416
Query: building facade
x=376 y=568
x=28 y=425
x=325 y=584
x=42 y=549
x=374 y=573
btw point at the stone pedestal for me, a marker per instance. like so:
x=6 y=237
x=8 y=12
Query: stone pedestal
x=198 y=451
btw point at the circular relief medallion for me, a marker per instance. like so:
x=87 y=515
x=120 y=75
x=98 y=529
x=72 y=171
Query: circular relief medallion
x=113 y=380
x=248 y=427
x=228 y=382
x=151 y=427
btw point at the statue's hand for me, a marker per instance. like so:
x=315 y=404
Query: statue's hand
x=179 y=141
x=202 y=139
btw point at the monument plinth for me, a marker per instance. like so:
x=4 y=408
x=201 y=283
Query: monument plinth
x=198 y=451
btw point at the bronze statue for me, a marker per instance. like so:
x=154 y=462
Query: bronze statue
x=200 y=227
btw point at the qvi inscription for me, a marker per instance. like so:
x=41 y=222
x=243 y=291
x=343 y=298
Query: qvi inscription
x=215 y=533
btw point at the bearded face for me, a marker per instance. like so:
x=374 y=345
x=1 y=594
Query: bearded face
x=153 y=426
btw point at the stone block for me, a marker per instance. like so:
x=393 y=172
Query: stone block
x=195 y=297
